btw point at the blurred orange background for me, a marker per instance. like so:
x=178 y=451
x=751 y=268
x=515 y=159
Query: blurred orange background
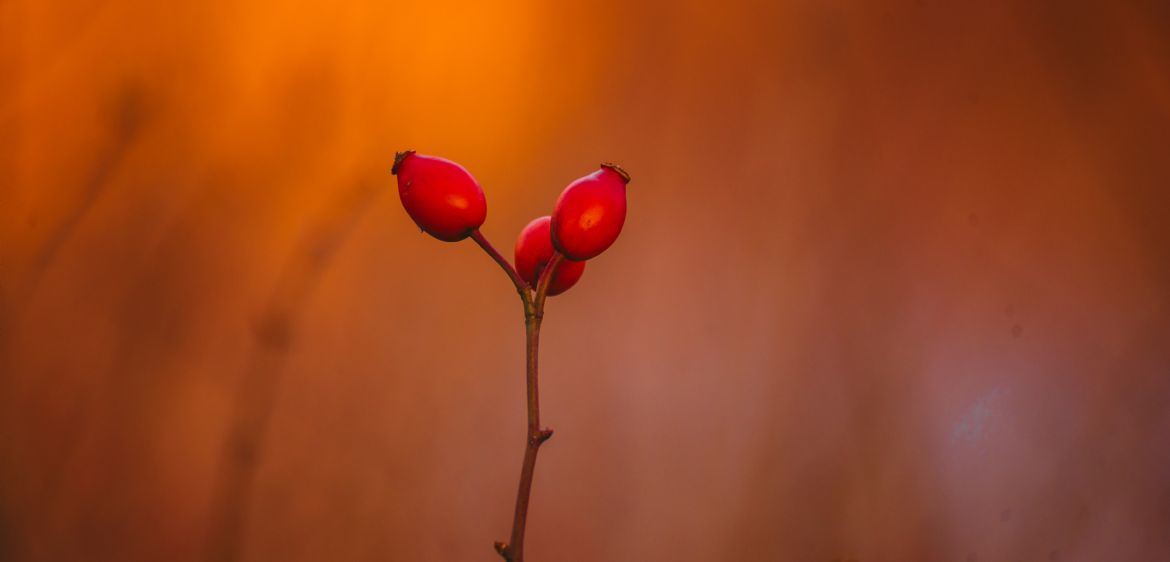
x=893 y=284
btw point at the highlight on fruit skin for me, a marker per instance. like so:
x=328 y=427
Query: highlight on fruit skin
x=590 y=213
x=441 y=196
x=533 y=251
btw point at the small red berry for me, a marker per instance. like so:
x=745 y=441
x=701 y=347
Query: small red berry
x=440 y=195
x=590 y=212
x=533 y=250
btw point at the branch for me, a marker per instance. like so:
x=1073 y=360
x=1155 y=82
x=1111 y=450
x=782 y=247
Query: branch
x=546 y=278
x=533 y=316
x=521 y=286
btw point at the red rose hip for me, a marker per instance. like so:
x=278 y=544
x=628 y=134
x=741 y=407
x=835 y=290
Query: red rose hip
x=590 y=212
x=440 y=195
x=533 y=250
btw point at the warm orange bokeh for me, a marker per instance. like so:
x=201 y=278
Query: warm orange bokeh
x=894 y=284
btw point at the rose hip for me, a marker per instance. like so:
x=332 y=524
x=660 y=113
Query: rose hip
x=440 y=195
x=590 y=212
x=533 y=250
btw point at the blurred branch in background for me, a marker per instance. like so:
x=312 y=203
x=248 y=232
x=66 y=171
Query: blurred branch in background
x=126 y=117
x=275 y=337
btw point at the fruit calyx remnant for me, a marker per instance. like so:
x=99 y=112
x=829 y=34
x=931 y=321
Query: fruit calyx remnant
x=398 y=158
x=610 y=165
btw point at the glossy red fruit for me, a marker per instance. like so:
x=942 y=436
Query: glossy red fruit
x=440 y=195
x=533 y=250
x=590 y=213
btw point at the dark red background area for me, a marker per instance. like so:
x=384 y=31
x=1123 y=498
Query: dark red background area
x=893 y=285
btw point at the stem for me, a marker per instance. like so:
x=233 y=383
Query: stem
x=545 y=279
x=521 y=286
x=533 y=316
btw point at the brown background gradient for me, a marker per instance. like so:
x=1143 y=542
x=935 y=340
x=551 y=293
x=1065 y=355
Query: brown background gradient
x=895 y=283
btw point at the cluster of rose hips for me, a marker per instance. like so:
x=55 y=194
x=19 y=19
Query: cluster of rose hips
x=446 y=202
